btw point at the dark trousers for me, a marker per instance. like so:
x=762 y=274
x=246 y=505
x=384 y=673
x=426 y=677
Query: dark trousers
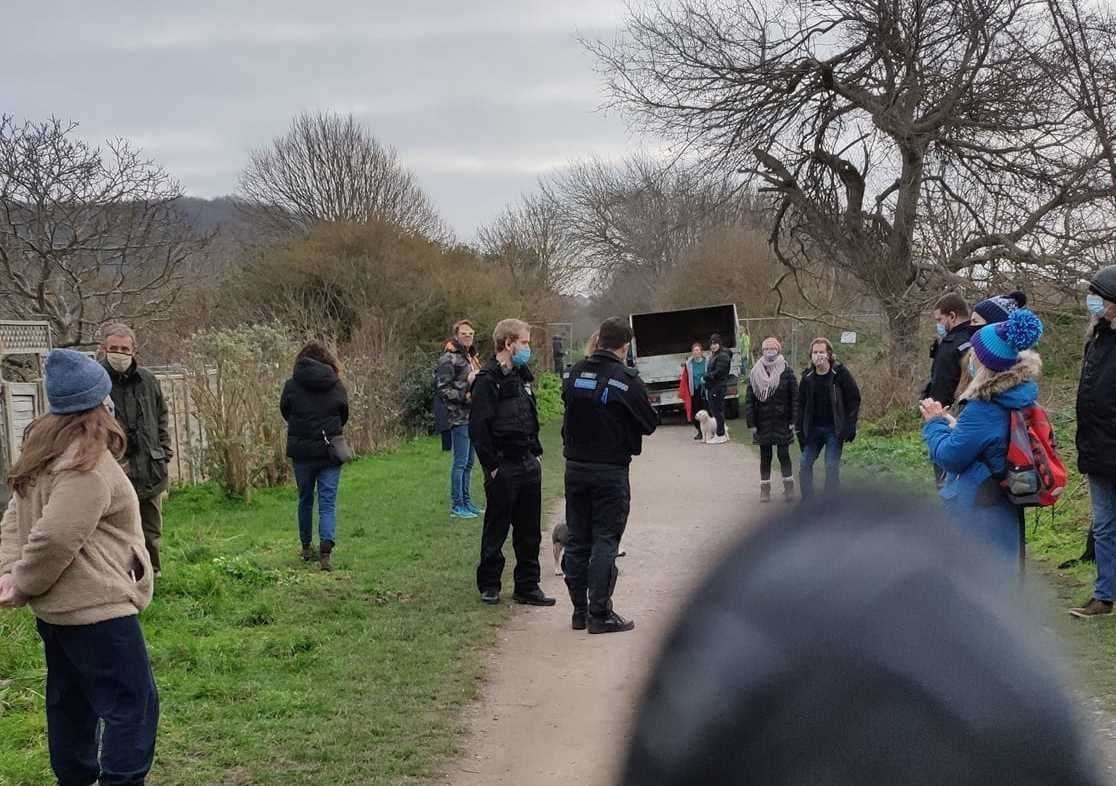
x=99 y=673
x=784 y=461
x=514 y=501
x=716 y=398
x=598 y=497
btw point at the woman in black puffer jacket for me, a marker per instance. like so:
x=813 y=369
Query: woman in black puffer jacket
x=315 y=405
x=770 y=408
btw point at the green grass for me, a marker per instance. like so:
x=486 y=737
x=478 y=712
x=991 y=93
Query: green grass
x=271 y=672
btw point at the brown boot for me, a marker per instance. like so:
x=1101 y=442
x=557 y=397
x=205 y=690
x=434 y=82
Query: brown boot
x=309 y=553
x=788 y=489
x=324 y=561
x=1094 y=608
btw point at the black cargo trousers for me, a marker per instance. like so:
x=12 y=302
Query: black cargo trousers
x=513 y=501
x=598 y=498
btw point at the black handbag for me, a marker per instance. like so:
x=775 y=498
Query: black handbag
x=339 y=449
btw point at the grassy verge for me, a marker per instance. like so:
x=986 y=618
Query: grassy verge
x=274 y=673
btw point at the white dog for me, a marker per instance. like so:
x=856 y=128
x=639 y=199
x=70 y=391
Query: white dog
x=709 y=428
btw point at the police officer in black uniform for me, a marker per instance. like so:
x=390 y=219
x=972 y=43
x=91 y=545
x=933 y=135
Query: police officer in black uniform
x=607 y=416
x=951 y=315
x=504 y=428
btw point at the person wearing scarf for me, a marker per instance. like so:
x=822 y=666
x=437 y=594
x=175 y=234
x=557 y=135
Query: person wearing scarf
x=770 y=407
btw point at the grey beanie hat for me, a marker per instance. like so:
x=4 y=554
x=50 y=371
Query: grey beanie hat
x=75 y=382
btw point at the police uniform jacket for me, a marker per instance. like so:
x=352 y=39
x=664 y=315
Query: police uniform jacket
x=503 y=421
x=607 y=411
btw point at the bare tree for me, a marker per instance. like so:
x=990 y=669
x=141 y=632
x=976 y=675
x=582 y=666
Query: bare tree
x=530 y=241
x=913 y=144
x=329 y=168
x=87 y=235
x=638 y=218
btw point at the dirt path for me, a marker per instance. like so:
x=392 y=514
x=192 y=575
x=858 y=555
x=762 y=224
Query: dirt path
x=558 y=703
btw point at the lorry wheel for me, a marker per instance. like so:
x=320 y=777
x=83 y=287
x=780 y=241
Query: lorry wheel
x=732 y=409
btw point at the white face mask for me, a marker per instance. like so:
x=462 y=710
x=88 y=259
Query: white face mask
x=770 y=354
x=119 y=361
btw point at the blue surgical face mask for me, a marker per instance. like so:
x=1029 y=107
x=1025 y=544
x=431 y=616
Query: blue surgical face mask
x=1095 y=304
x=941 y=330
x=521 y=357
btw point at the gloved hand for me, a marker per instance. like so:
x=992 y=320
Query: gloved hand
x=851 y=435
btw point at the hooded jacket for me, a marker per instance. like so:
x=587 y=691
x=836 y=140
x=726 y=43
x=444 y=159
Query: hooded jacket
x=315 y=405
x=451 y=380
x=1096 y=404
x=973 y=454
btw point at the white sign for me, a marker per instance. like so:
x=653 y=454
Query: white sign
x=848 y=337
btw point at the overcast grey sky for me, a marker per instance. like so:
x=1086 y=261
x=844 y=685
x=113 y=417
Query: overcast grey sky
x=478 y=96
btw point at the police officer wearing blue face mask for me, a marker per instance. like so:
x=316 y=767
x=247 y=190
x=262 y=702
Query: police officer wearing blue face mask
x=951 y=317
x=504 y=428
x=607 y=416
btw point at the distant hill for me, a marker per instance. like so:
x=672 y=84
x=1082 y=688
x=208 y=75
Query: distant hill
x=207 y=215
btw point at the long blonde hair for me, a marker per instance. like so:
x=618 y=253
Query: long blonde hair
x=50 y=436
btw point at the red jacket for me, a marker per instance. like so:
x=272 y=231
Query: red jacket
x=684 y=391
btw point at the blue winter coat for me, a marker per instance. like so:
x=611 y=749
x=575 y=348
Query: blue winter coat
x=974 y=450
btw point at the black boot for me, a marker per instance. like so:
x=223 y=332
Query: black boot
x=612 y=623
x=579 y=619
x=535 y=597
x=324 y=561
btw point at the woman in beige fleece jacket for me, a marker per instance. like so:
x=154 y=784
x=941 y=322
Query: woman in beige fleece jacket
x=71 y=547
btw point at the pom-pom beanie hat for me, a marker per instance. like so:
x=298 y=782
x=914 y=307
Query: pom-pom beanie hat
x=997 y=346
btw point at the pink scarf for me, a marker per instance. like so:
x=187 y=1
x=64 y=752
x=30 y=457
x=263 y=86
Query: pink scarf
x=765 y=375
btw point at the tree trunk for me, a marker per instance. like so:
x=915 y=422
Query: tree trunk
x=905 y=362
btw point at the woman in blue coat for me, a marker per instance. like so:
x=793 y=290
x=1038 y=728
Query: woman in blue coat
x=973 y=447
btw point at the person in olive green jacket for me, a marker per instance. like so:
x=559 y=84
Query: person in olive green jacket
x=142 y=412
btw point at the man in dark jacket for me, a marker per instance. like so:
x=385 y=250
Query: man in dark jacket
x=141 y=410
x=951 y=317
x=858 y=642
x=456 y=371
x=504 y=428
x=1096 y=436
x=607 y=416
x=716 y=383
x=951 y=320
x=829 y=406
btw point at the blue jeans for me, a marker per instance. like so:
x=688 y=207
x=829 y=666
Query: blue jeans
x=326 y=477
x=1102 y=493
x=462 y=469
x=819 y=438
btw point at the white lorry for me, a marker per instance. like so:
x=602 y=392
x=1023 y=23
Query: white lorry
x=662 y=341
